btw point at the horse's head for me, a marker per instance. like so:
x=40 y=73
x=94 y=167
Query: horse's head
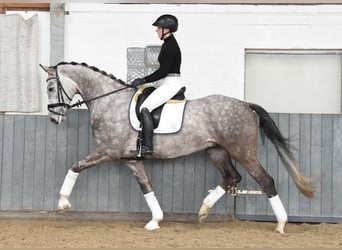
x=60 y=91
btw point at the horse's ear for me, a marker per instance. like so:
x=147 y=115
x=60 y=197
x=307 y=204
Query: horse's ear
x=47 y=69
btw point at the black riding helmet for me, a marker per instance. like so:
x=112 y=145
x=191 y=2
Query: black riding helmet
x=167 y=21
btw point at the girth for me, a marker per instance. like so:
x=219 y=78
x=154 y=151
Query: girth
x=156 y=113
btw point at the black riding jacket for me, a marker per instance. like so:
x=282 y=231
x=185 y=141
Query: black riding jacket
x=169 y=60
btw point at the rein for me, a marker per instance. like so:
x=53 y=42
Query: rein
x=61 y=90
x=78 y=103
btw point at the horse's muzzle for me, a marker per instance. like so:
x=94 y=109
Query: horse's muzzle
x=53 y=120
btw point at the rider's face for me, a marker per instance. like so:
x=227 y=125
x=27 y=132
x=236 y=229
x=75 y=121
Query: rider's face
x=159 y=31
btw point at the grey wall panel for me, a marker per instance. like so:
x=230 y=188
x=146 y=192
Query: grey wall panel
x=178 y=196
x=28 y=161
x=50 y=166
x=113 y=186
x=326 y=182
x=35 y=155
x=316 y=161
x=168 y=184
x=7 y=162
x=18 y=158
x=39 y=163
x=337 y=166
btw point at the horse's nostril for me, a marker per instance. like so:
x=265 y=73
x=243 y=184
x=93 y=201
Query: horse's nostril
x=53 y=120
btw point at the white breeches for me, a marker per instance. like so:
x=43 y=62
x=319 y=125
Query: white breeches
x=168 y=87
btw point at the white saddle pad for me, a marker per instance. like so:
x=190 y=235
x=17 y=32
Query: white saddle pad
x=171 y=117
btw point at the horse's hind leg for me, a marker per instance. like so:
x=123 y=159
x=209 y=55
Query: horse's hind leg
x=138 y=169
x=223 y=163
x=230 y=176
x=266 y=182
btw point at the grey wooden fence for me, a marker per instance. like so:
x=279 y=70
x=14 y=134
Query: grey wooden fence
x=36 y=154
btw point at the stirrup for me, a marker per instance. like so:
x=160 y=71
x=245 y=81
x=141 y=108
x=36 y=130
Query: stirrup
x=143 y=150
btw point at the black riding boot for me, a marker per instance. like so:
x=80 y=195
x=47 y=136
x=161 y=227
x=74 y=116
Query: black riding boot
x=146 y=146
x=147 y=132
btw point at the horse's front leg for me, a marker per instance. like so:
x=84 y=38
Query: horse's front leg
x=97 y=157
x=138 y=169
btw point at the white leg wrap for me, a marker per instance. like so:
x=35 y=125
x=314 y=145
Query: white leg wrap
x=157 y=213
x=278 y=209
x=68 y=183
x=153 y=204
x=214 y=196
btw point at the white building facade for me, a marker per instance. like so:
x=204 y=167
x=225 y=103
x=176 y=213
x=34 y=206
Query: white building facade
x=216 y=41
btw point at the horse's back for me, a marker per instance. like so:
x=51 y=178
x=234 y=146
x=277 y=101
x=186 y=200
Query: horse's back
x=225 y=105
x=221 y=111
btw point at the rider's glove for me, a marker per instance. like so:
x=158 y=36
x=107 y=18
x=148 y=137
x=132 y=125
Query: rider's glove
x=137 y=82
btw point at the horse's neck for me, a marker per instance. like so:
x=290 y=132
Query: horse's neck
x=92 y=84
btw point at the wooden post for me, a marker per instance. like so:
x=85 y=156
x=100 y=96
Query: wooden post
x=2 y=9
x=24 y=6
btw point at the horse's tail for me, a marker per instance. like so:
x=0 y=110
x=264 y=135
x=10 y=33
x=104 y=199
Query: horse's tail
x=269 y=128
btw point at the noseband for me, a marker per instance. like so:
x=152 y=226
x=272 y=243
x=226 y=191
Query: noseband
x=61 y=91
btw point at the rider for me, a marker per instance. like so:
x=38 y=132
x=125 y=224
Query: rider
x=168 y=73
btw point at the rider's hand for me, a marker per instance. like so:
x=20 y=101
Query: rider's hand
x=137 y=82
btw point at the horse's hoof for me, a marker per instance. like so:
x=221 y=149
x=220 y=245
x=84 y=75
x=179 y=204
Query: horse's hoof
x=152 y=225
x=203 y=213
x=202 y=218
x=280 y=227
x=63 y=205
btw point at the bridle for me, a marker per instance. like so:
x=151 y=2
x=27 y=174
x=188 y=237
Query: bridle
x=61 y=91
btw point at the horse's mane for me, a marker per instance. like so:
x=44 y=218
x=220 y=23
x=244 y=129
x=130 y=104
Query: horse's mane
x=111 y=76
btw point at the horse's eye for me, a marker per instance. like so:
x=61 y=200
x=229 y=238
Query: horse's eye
x=50 y=89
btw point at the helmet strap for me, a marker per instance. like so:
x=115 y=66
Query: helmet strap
x=164 y=34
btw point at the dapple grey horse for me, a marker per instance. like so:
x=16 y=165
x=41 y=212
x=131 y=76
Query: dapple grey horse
x=226 y=128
